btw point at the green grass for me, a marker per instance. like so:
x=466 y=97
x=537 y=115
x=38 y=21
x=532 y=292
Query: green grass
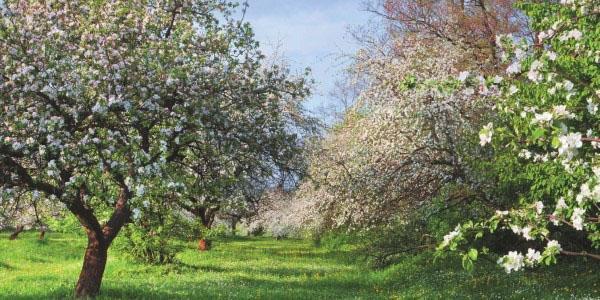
x=263 y=268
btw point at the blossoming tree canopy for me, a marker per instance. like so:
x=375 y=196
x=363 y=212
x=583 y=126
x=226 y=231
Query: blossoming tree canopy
x=400 y=143
x=548 y=120
x=100 y=98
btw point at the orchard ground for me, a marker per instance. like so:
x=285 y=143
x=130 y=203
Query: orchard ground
x=265 y=268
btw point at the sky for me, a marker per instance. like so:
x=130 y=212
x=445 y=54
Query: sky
x=309 y=33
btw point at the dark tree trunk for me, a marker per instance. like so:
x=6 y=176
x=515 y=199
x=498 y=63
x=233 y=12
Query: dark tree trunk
x=99 y=240
x=207 y=216
x=16 y=233
x=94 y=262
x=234 y=222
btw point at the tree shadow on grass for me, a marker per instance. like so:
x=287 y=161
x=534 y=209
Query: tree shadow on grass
x=182 y=267
x=242 y=287
x=6 y=266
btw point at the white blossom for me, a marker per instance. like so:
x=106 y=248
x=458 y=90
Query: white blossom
x=526 y=154
x=526 y=232
x=450 y=236
x=569 y=144
x=514 y=261
x=568 y=85
x=561 y=111
x=485 y=135
x=553 y=245
x=561 y=204
x=533 y=256
x=577 y=218
x=592 y=107
x=544 y=117
x=514 y=68
x=135 y=213
x=539 y=207
x=140 y=190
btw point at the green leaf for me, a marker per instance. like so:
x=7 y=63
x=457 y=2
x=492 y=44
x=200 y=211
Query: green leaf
x=473 y=254
x=538 y=133
x=555 y=142
x=467 y=263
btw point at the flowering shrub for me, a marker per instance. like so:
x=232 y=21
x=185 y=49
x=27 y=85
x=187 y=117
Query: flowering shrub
x=547 y=122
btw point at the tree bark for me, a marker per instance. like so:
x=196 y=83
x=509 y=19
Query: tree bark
x=16 y=233
x=99 y=240
x=94 y=263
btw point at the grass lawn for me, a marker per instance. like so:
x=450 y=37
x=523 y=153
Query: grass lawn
x=263 y=268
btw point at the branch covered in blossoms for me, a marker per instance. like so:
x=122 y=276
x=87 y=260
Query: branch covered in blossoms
x=547 y=120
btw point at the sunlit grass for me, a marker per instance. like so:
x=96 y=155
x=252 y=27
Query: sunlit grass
x=263 y=268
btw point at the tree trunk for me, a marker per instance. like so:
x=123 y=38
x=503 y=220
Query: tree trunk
x=234 y=222
x=15 y=233
x=204 y=245
x=99 y=239
x=94 y=263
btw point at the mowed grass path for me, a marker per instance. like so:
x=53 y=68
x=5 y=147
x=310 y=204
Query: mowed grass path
x=263 y=268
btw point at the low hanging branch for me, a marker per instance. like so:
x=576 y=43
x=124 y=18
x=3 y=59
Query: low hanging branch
x=583 y=253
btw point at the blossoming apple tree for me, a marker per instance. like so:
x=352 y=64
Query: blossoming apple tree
x=401 y=144
x=100 y=100
x=547 y=121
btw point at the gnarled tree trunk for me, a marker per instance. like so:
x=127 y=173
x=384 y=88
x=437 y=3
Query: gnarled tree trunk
x=99 y=240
